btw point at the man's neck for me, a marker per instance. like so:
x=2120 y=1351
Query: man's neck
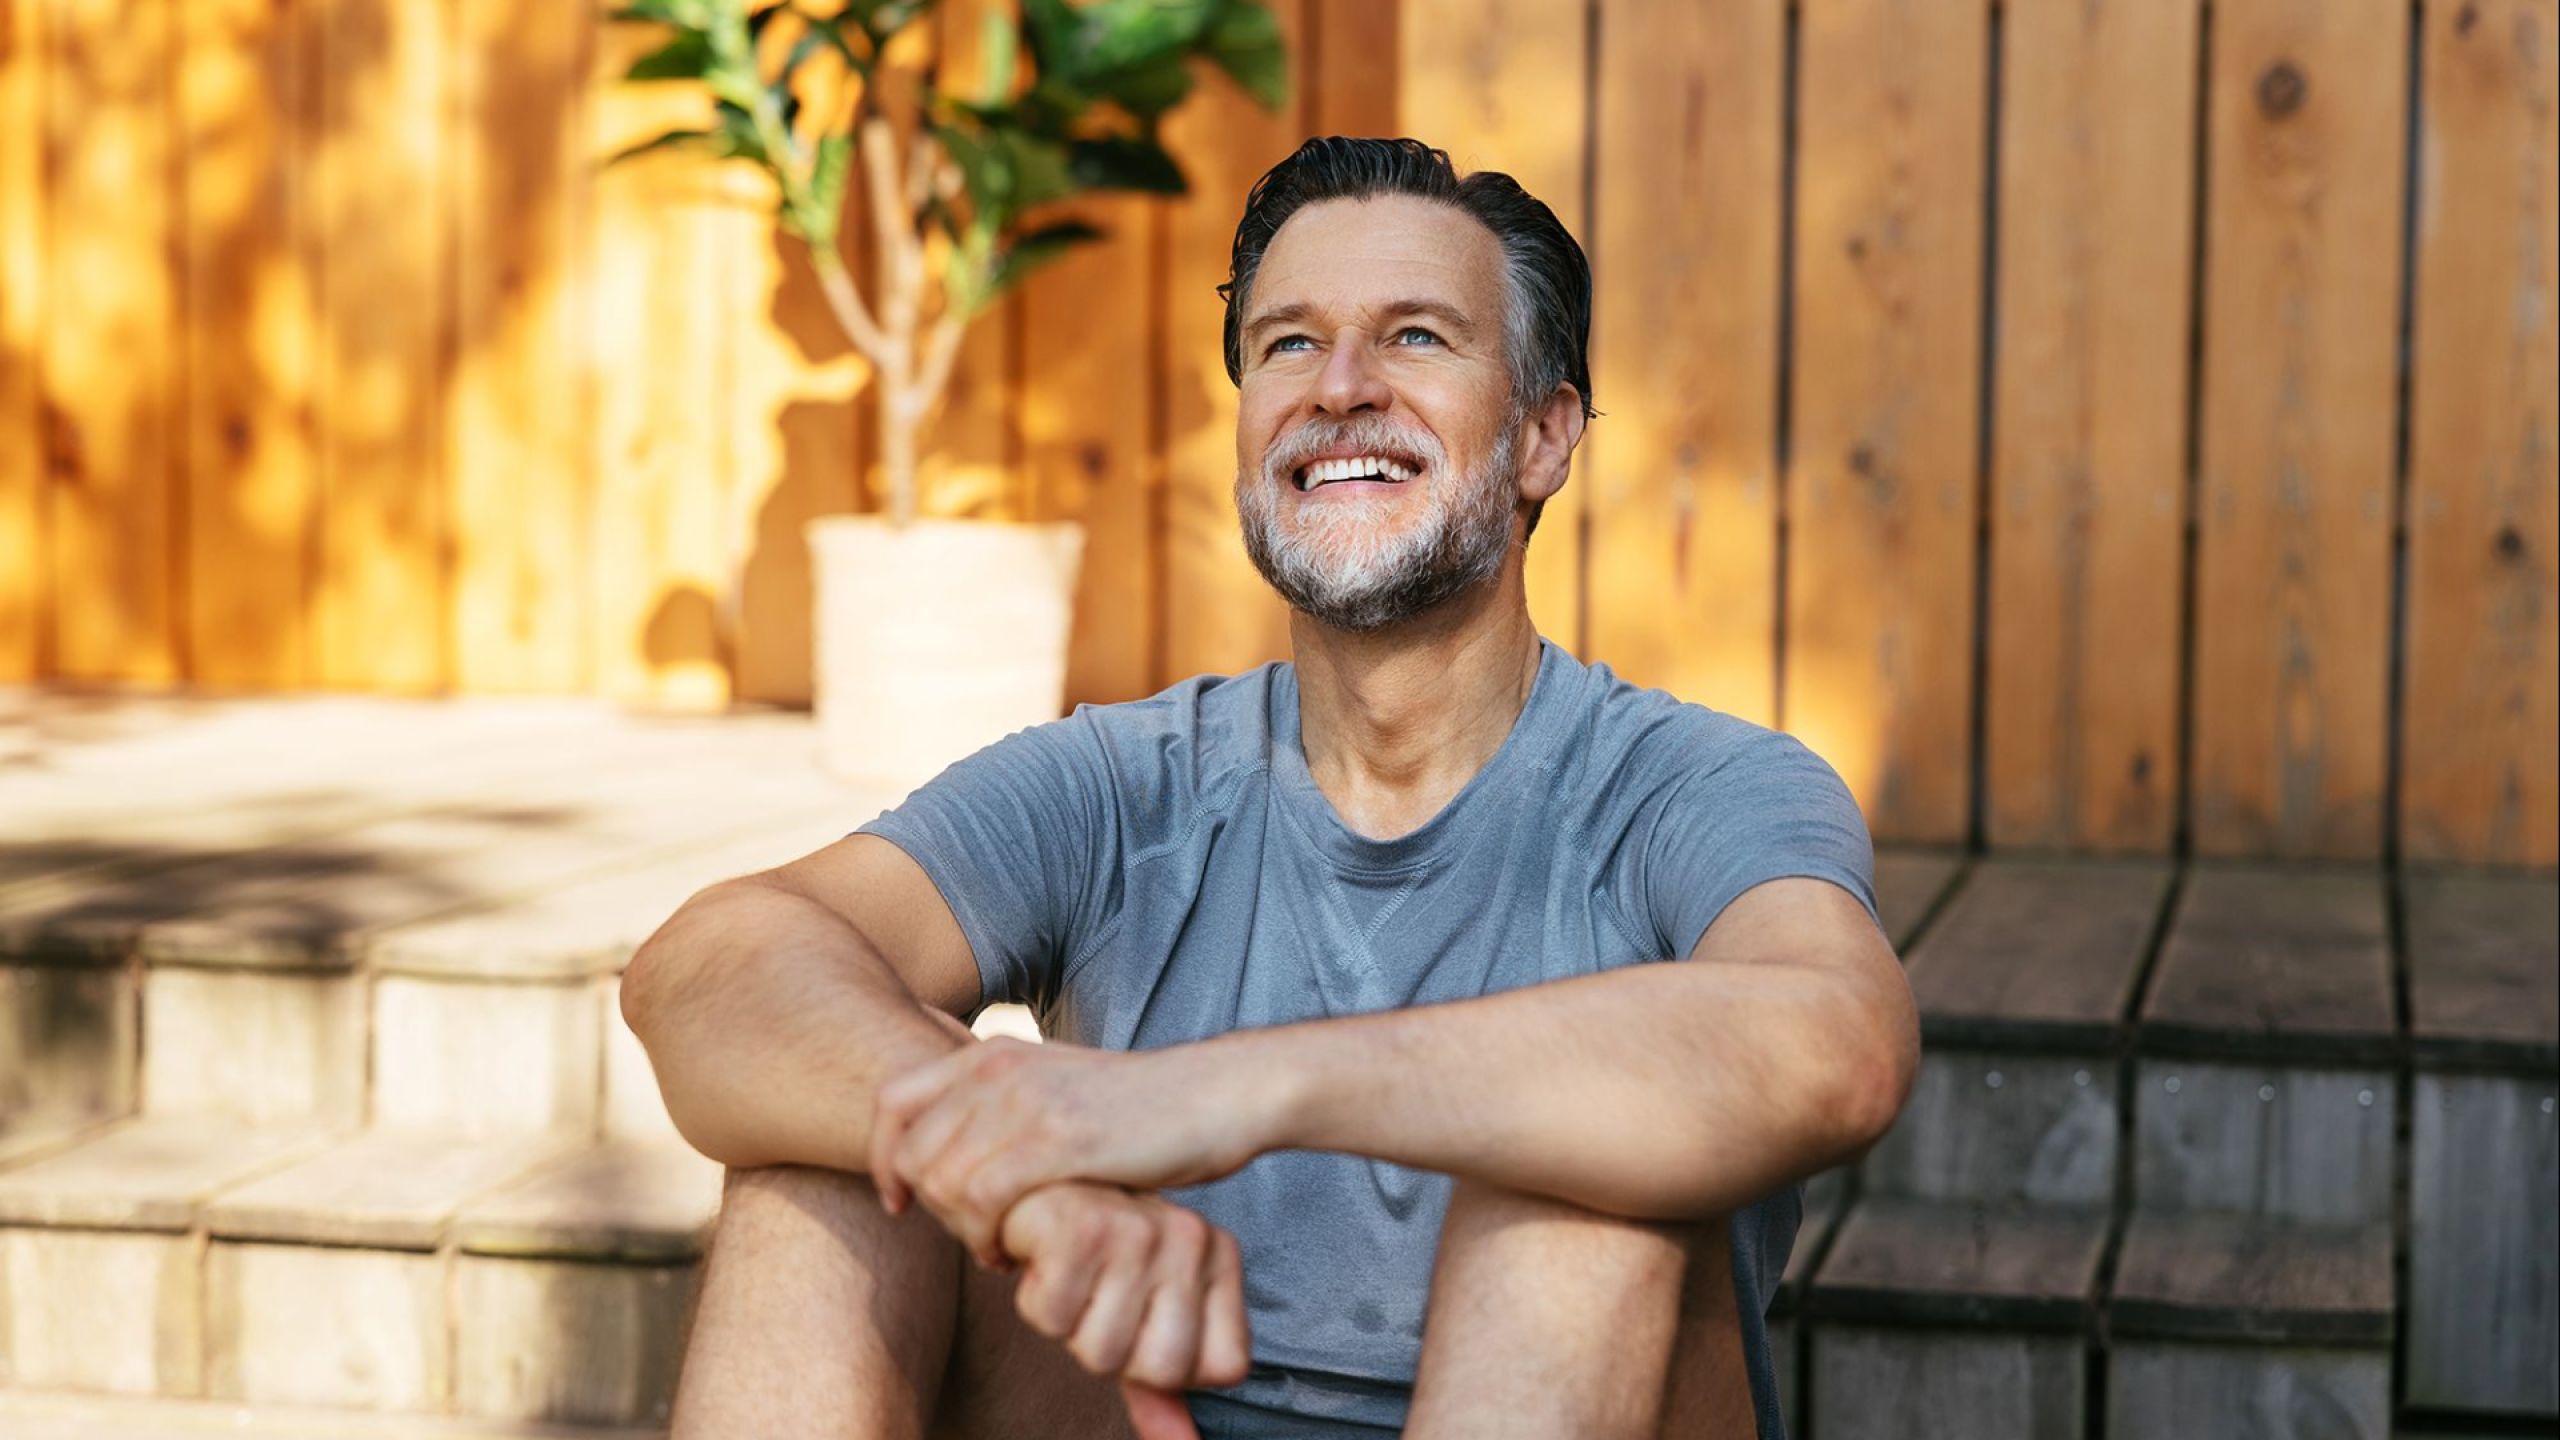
x=1395 y=724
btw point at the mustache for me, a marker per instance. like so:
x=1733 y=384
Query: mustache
x=1373 y=433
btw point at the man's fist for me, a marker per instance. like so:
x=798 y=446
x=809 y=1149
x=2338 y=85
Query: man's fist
x=1132 y=1285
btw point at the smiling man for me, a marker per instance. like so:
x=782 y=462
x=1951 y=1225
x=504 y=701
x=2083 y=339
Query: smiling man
x=1439 y=1025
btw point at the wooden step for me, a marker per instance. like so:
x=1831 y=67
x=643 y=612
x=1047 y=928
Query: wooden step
x=1826 y=1199
x=2219 y=1321
x=2484 y=1165
x=2025 y=982
x=1941 y=1319
x=1910 y=881
x=2269 y=1043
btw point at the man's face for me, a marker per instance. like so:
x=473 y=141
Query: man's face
x=1376 y=458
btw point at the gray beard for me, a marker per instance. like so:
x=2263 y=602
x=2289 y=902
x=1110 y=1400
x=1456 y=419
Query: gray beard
x=1337 y=573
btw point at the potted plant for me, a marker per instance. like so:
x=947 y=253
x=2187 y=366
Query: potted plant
x=938 y=634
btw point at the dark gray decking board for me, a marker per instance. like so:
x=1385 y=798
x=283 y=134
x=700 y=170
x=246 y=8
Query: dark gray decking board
x=2484 y=969
x=2484 y=1244
x=2297 y=1142
x=1908 y=884
x=2230 y=1277
x=2288 y=963
x=2038 y=954
x=2174 y=1390
x=1936 y=1385
x=1915 y=1262
x=1994 y=1126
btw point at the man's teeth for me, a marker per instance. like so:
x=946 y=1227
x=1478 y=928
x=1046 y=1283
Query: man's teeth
x=1358 y=467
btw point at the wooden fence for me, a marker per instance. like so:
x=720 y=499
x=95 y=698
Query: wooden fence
x=2091 y=424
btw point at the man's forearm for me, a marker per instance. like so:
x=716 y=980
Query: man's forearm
x=770 y=1022
x=1658 y=1091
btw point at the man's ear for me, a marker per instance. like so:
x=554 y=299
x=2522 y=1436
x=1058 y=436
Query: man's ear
x=1553 y=432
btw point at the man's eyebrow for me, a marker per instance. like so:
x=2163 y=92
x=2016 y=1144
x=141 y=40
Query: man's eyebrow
x=1297 y=313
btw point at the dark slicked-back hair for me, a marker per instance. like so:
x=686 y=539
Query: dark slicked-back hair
x=1547 y=322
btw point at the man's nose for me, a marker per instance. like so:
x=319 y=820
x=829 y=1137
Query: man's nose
x=1351 y=380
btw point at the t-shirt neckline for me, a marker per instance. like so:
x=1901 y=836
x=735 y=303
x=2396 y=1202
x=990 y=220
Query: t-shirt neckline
x=1521 y=750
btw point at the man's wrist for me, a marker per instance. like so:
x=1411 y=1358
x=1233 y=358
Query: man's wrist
x=1268 y=1084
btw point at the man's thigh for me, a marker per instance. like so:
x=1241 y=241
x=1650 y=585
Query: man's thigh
x=1007 y=1380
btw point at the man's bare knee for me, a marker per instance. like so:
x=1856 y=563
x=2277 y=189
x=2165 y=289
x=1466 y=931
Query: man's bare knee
x=820 y=1313
x=1547 y=1318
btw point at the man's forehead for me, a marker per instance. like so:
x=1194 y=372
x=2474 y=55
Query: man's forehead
x=1353 y=254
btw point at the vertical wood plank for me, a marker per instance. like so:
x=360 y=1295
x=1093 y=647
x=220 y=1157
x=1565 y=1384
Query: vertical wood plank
x=1087 y=422
x=1218 y=614
x=22 y=469
x=2293 y=585
x=1881 y=493
x=669 y=227
x=2480 y=782
x=1683 y=470
x=970 y=452
x=2088 y=502
x=109 y=340
x=519 y=409
x=379 y=203
x=1352 y=65
x=251 y=273
x=800 y=389
x=1501 y=85
x=799 y=397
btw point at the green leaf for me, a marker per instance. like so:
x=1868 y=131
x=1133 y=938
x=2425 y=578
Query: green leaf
x=738 y=129
x=828 y=177
x=1146 y=90
x=1122 y=162
x=1030 y=251
x=710 y=140
x=686 y=57
x=1043 y=169
x=999 y=58
x=693 y=14
x=1245 y=42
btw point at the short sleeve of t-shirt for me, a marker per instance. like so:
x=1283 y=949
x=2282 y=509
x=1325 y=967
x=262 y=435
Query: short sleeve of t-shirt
x=1021 y=839
x=1766 y=808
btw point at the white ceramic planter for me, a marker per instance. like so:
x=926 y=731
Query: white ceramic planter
x=936 y=639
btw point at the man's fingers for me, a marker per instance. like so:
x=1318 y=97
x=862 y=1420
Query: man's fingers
x=1169 y=1338
x=1157 y=1414
x=1226 y=1348
x=1108 y=1330
x=1055 y=1290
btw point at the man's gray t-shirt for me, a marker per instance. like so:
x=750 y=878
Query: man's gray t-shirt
x=1166 y=870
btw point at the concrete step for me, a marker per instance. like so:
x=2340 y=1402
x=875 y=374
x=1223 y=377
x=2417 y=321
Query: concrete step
x=522 y=1278
x=36 y=1415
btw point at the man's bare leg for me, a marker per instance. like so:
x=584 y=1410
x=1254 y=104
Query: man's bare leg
x=821 y=1315
x=1547 y=1319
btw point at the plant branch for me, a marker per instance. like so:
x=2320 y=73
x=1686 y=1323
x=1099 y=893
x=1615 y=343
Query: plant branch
x=845 y=300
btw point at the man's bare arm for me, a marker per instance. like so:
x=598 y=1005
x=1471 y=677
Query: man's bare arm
x=773 y=1005
x=1784 y=1045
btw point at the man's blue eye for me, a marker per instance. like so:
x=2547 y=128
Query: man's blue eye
x=1411 y=330
x=1285 y=341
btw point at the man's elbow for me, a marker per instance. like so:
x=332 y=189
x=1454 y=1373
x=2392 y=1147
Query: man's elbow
x=1876 y=1077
